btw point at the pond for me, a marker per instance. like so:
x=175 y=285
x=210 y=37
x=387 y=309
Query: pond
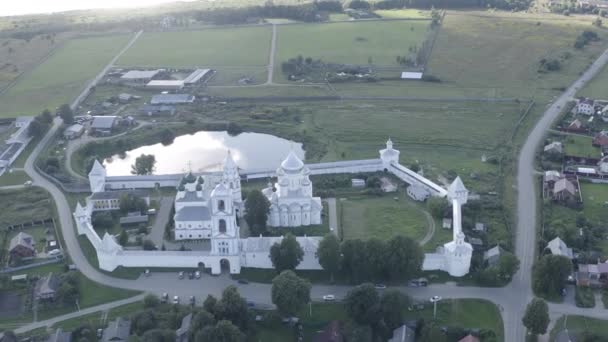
x=205 y=151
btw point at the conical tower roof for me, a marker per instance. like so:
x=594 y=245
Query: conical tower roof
x=229 y=162
x=457 y=187
x=97 y=169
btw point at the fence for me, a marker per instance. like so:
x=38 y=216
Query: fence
x=36 y=264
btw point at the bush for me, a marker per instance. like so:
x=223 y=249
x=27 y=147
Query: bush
x=584 y=297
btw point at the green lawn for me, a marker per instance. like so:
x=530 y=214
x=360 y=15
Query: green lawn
x=351 y=42
x=382 y=218
x=13 y=178
x=596 y=89
x=25 y=205
x=238 y=46
x=579 y=324
x=576 y=145
x=60 y=78
x=95 y=318
x=595 y=202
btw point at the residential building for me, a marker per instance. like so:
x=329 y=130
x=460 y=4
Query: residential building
x=555 y=147
x=559 y=247
x=46 y=287
x=182 y=334
x=139 y=76
x=492 y=255
x=575 y=125
x=552 y=176
x=74 y=131
x=103 y=125
x=585 y=107
x=602 y=165
x=565 y=190
x=601 y=139
x=403 y=334
x=592 y=275
x=418 y=193
x=117 y=331
x=22 y=246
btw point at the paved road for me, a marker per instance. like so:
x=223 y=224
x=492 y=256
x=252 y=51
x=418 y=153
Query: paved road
x=273 y=45
x=162 y=217
x=90 y=310
x=333 y=216
x=520 y=288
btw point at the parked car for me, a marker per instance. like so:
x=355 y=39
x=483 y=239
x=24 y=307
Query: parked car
x=329 y=298
x=243 y=281
x=147 y=272
x=190 y=275
x=379 y=286
x=435 y=299
x=197 y=274
x=416 y=307
x=164 y=298
x=28 y=183
x=175 y=299
x=420 y=282
x=180 y=275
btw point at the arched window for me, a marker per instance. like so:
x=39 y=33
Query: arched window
x=221 y=206
x=222 y=226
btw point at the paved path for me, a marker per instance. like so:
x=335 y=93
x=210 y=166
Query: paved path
x=431 y=231
x=103 y=307
x=11 y=187
x=157 y=232
x=333 y=216
x=273 y=45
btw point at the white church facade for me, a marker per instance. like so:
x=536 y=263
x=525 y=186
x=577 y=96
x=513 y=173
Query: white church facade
x=208 y=206
x=291 y=201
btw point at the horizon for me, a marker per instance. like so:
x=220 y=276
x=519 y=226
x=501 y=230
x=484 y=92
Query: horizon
x=33 y=7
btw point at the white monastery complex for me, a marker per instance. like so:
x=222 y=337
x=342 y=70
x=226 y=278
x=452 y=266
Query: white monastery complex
x=208 y=205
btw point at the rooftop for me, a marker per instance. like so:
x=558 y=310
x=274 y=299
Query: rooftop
x=172 y=98
x=103 y=122
x=193 y=213
x=139 y=74
x=22 y=239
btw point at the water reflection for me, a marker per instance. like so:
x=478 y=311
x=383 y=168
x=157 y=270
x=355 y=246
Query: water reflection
x=205 y=151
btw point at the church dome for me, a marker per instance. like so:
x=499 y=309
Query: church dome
x=292 y=162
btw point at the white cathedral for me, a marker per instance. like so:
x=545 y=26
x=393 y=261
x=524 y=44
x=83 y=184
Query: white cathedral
x=291 y=200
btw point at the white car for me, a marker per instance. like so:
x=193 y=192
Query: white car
x=197 y=274
x=329 y=298
x=175 y=299
x=435 y=299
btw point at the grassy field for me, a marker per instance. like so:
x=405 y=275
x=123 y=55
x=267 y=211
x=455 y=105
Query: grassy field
x=13 y=178
x=25 y=205
x=351 y=42
x=596 y=89
x=595 y=200
x=576 y=145
x=243 y=46
x=61 y=77
x=404 y=14
x=501 y=51
x=579 y=324
x=382 y=218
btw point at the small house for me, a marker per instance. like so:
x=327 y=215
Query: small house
x=592 y=275
x=103 y=125
x=418 y=193
x=117 y=331
x=601 y=139
x=575 y=125
x=564 y=190
x=22 y=246
x=492 y=255
x=555 y=147
x=479 y=227
x=558 y=247
x=551 y=176
x=74 y=131
x=602 y=165
x=585 y=107
x=46 y=287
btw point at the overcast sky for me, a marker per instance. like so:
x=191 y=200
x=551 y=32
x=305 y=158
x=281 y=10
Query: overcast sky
x=18 y=7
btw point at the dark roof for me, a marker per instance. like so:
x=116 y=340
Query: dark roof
x=22 y=239
x=189 y=196
x=60 y=336
x=118 y=194
x=134 y=219
x=103 y=122
x=47 y=285
x=117 y=330
x=196 y=213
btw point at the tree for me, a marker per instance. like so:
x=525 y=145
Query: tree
x=290 y=293
x=432 y=332
x=354 y=260
x=391 y=305
x=359 y=333
x=257 y=207
x=287 y=254
x=38 y=127
x=46 y=117
x=144 y=165
x=159 y=335
x=597 y=22
x=375 y=258
x=437 y=206
x=435 y=16
x=151 y=301
x=143 y=321
x=508 y=264
x=123 y=238
x=404 y=258
x=167 y=136
x=362 y=304
x=233 y=307
x=66 y=113
x=536 y=319
x=102 y=219
x=223 y=331
x=148 y=245
x=67 y=293
x=131 y=203
x=201 y=320
x=328 y=253
x=549 y=275
x=210 y=304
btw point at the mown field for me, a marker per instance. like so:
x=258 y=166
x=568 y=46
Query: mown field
x=25 y=205
x=61 y=77
x=214 y=47
x=597 y=88
x=577 y=325
x=351 y=42
x=382 y=218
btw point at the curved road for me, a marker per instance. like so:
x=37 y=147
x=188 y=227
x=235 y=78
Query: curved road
x=511 y=300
